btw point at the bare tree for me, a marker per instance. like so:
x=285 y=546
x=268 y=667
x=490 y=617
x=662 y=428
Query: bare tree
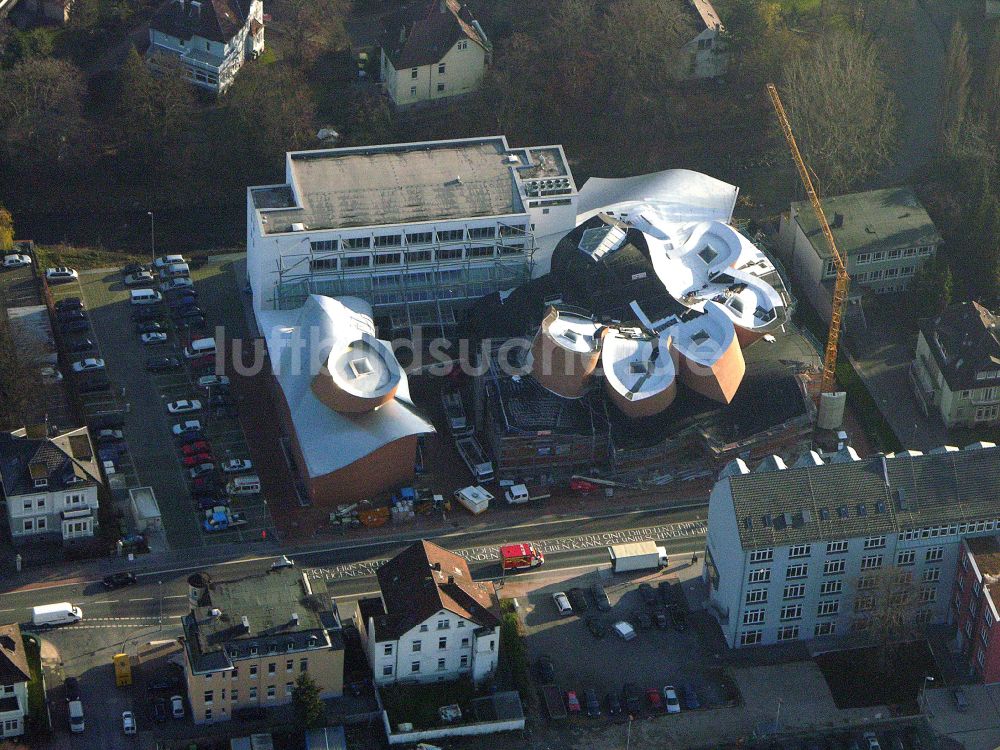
x=311 y=27
x=887 y=609
x=954 y=88
x=842 y=109
x=991 y=91
x=6 y=229
x=643 y=40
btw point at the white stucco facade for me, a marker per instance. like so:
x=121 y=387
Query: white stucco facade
x=460 y=71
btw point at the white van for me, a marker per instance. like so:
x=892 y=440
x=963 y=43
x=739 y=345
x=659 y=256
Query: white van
x=145 y=297
x=165 y=260
x=175 y=271
x=76 y=716
x=199 y=348
x=62 y=613
x=248 y=484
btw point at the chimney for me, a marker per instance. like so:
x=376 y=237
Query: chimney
x=402 y=34
x=295 y=619
x=245 y=622
x=451 y=579
x=436 y=566
x=838 y=221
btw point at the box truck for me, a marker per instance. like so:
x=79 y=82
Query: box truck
x=637 y=556
x=48 y=615
x=474 y=499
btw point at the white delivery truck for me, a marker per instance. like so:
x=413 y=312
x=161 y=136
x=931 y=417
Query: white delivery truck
x=637 y=556
x=76 y=716
x=48 y=615
x=474 y=499
x=516 y=494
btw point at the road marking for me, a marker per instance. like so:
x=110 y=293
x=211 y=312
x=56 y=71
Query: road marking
x=144 y=599
x=107 y=601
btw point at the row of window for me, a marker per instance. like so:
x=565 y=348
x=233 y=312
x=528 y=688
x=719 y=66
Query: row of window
x=411 y=257
x=271 y=691
x=903 y=272
x=876 y=257
x=932 y=554
x=424 y=237
x=417 y=645
x=930 y=532
x=415 y=666
x=442 y=67
x=38 y=503
x=791 y=612
x=787 y=633
x=272 y=668
x=837 y=567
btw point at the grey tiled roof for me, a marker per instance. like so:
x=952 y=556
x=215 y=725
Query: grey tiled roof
x=866 y=497
x=964 y=340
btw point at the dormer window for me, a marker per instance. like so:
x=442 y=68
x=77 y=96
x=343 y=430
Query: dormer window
x=253 y=650
x=41 y=482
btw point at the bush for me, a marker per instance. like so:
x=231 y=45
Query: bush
x=513 y=653
x=38 y=722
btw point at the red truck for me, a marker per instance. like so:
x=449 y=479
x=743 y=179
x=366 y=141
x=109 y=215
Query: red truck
x=521 y=556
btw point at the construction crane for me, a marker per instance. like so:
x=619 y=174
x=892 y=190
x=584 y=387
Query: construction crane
x=841 y=284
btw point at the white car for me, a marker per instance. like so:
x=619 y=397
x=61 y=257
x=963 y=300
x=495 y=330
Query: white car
x=283 y=562
x=207 y=381
x=178 y=283
x=91 y=364
x=236 y=465
x=16 y=261
x=670 y=698
x=50 y=375
x=128 y=722
x=871 y=741
x=156 y=337
x=184 y=406
x=624 y=630
x=177 y=706
x=165 y=260
x=191 y=425
x=60 y=273
x=139 y=279
x=562 y=603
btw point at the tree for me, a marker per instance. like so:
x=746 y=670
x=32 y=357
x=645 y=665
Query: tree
x=757 y=42
x=991 y=91
x=655 y=31
x=310 y=713
x=887 y=609
x=152 y=110
x=930 y=289
x=369 y=119
x=954 y=88
x=312 y=26
x=841 y=108
x=6 y=229
x=24 y=45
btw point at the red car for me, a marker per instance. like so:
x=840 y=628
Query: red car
x=198 y=458
x=202 y=484
x=199 y=446
x=655 y=701
x=572 y=702
x=581 y=485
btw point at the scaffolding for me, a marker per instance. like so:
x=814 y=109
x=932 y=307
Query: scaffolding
x=426 y=288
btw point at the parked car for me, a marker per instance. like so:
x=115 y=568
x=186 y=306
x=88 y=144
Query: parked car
x=164 y=364
x=159 y=710
x=624 y=630
x=128 y=722
x=147 y=312
x=177 y=706
x=178 y=283
x=205 y=483
x=72 y=686
x=91 y=364
x=961 y=701
x=572 y=702
x=660 y=618
x=107 y=422
x=198 y=458
x=67 y=316
x=193 y=324
x=165 y=681
x=562 y=603
x=198 y=446
x=871 y=741
x=187 y=311
x=614 y=704
x=654 y=699
x=600 y=596
x=545 y=670
x=689 y=696
x=74 y=326
x=208 y=381
x=79 y=346
x=597 y=627
x=183 y=406
x=591 y=701
x=150 y=339
x=641 y=620
x=151 y=326
x=193 y=436
x=202 y=362
x=165 y=260
x=201 y=470
x=578 y=600
x=94 y=385
x=283 y=562
x=120 y=579
x=182 y=298
x=188 y=426
x=670 y=696
x=60 y=275
x=236 y=465
x=139 y=278
x=68 y=303
x=633 y=699
x=678 y=619
x=16 y=261
x=208 y=501
x=50 y=374
x=648 y=595
x=109 y=434
x=134 y=267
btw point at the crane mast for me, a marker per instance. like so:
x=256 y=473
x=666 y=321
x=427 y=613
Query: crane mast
x=841 y=284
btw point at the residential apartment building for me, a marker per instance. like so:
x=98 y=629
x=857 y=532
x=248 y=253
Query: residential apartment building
x=432 y=622
x=883 y=235
x=210 y=40
x=804 y=551
x=973 y=608
x=417 y=230
x=14 y=678
x=247 y=640
x=431 y=51
x=50 y=484
x=956 y=371
x=703 y=54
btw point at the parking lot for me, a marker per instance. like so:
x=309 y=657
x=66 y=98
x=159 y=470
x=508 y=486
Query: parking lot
x=667 y=648
x=137 y=398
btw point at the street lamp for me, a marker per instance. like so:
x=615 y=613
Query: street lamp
x=159 y=592
x=923 y=691
x=152 y=233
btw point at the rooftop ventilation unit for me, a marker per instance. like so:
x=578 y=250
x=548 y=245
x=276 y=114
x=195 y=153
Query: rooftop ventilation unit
x=245 y=622
x=298 y=227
